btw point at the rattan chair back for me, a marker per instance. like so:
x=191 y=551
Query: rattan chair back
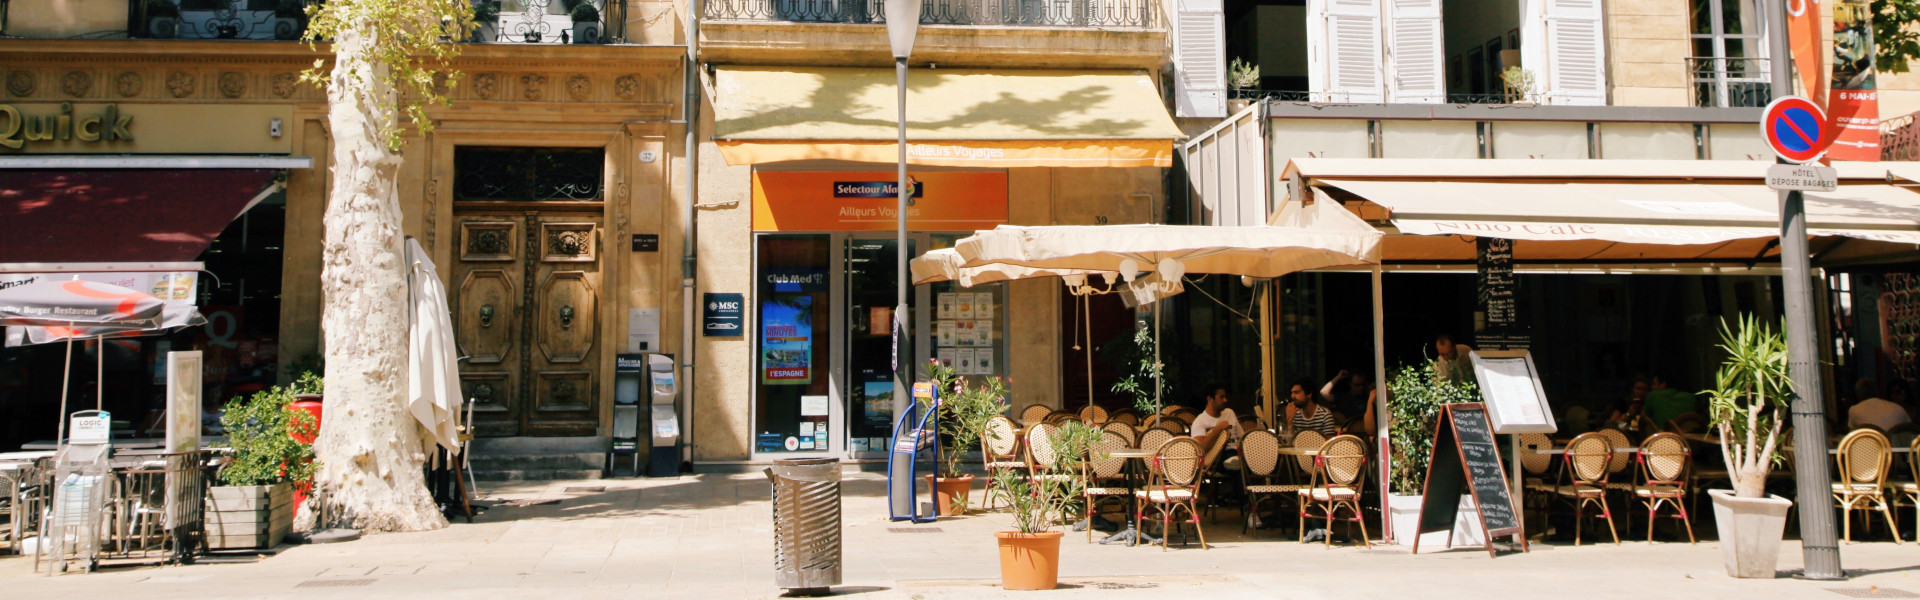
x=1590 y=455
x=1040 y=453
x=1093 y=415
x=1344 y=460
x=1001 y=439
x=1174 y=426
x=1260 y=451
x=1153 y=439
x=1864 y=457
x=1213 y=453
x=1186 y=415
x=1307 y=439
x=1125 y=415
x=1178 y=462
x=1123 y=430
x=1663 y=459
x=1532 y=459
x=1618 y=439
x=1102 y=465
x=1034 y=413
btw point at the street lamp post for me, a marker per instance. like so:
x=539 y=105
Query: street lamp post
x=903 y=21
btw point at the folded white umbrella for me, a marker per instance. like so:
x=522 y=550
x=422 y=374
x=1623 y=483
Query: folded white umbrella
x=944 y=265
x=1259 y=251
x=433 y=382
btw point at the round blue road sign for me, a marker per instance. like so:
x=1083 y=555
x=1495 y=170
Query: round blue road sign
x=1796 y=129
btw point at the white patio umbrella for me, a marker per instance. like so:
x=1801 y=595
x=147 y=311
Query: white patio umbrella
x=1323 y=235
x=433 y=384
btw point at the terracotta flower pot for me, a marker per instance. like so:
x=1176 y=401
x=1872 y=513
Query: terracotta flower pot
x=946 y=489
x=1029 y=561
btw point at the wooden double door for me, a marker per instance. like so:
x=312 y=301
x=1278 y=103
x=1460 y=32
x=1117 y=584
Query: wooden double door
x=526 y=299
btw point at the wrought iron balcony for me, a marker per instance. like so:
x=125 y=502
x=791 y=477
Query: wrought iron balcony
x=1101 y=14
x=550 y=22
x=1900 y=138
x=1730 y=82
x=219 y=19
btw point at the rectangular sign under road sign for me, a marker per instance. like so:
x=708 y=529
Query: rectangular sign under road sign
x=1804 y=178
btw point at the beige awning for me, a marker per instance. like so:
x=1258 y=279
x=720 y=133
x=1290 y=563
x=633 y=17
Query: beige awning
x=1614 y=211
x=955 y=117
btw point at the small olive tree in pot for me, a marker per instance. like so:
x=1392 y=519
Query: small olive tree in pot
x=1749 y=400
x=964 y=411
x=1030 y=552
x=253 y=506
x=1415 y=399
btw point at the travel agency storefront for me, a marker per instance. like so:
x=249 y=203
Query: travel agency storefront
x=798 y=225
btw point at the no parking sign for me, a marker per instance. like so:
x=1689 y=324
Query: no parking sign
x=1796 y=129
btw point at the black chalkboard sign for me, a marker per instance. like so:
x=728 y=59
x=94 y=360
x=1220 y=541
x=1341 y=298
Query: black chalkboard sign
x=1466 y=459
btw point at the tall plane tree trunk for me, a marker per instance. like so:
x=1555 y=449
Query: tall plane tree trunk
x=369 y=447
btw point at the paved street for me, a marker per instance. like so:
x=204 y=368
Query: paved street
x=710 y=537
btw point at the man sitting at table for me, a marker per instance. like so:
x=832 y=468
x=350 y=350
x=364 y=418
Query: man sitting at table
x=1218 y=420
x=1664 y=403
x=1874 y=410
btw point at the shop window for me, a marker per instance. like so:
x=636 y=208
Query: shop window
x=528 y=174
x=791 y=310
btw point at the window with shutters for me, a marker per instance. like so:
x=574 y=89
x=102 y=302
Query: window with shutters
x=1199 y=57
x=1729 y=54
x=1575 y=57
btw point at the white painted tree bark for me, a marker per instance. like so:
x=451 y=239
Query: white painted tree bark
x=370 y=477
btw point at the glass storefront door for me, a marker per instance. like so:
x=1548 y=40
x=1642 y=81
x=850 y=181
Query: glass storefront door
x=871 y=268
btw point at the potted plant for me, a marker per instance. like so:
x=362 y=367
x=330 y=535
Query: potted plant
x=586 y=23
x=1241 y=75
x=287 y=17
x=1416 y=400
x=163 y=19
x=964 y=412
x=1519 y=84
x=486 y=21
x=1030 y=552
x=253 y=506
x=1750 y=395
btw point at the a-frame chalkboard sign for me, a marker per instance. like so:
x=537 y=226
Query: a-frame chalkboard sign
x=1465 y=459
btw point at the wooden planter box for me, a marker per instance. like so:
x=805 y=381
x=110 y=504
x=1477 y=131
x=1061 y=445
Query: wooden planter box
x=249 y=516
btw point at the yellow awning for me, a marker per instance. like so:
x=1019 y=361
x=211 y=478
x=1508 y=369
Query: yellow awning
x=955 y=117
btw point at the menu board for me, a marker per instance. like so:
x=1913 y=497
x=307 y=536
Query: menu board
x=1497 y=299
x=1510 y=384
x=1466 y=460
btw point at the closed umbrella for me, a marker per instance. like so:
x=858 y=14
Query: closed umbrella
x=433 y=385
x=69 y=304
x=174 y=316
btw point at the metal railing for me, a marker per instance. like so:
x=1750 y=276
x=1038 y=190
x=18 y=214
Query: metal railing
x=1105 y=14
x=1730 y=82
x=549 y=22
x=1274 y=95
x=1900 y=137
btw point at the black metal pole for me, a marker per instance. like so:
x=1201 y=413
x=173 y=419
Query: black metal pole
x=1818 y=539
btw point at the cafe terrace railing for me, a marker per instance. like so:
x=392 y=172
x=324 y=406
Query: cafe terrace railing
x=1101 y=14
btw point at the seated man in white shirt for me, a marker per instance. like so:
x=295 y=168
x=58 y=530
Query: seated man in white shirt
x=1217 y=420
x=1874 y=410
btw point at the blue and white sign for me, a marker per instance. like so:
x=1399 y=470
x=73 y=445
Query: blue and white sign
x=723 y=315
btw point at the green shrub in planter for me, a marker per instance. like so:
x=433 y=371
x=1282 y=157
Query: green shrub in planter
x=1414 y=400
x=253 y=507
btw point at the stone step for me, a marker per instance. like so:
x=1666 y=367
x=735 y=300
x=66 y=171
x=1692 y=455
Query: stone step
x=535 y=462
x=536 y=475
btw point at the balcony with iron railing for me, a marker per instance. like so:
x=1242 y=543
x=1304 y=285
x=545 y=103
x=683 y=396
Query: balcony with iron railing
x=1730 y=82
x=1900 y=138
x=498 y=21
x=960 y=33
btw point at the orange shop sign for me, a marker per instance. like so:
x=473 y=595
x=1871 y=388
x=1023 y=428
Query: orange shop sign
x=866 y=201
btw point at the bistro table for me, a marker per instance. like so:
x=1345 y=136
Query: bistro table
x=1135 y=459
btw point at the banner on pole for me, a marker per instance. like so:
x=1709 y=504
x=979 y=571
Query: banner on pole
x=1853 y=102
x=1803 y=36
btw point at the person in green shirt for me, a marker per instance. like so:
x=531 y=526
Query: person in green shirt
x=1664 y=402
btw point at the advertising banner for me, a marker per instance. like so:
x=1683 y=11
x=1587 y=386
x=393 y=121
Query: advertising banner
x=1853 y=103
x=867 y=201
x=1803 y=36
x=786 y=340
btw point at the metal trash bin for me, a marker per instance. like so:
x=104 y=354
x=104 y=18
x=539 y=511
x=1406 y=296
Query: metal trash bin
x=806 y=524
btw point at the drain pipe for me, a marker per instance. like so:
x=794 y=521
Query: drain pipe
x=691 y=110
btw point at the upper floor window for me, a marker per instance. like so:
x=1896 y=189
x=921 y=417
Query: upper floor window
x=1729 y=61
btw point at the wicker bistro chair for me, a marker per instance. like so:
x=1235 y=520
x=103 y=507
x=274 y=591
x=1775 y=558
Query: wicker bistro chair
x=1034 y=413
x=1098 y=474
x=1174 y=426
x=1865 y=458
x=1093 y=415
x=1911 y=489
x=1153 y=439
x=1584 y=480
x=1061 y=417
x=1042 y=463
x=1249 y=423
x=1211 y=472
x=1185 y=415
x=1124 y=415
x=1538 y=492
x=1124 y=430
x=1175 y=487
x=1260 y=453
x=1306 y=440
x=1338 y=478
x=1663 y=459
x=999 y=451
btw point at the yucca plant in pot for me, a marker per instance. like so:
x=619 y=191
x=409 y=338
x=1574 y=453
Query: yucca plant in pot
x=1750 y=398
x=1030 y=552
x=964 y=411
x=1415 y=399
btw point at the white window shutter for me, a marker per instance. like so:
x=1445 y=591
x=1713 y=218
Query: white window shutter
x=1415 y=74
x=1200 y=59
x=1354 y=71
x=1576 y=53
